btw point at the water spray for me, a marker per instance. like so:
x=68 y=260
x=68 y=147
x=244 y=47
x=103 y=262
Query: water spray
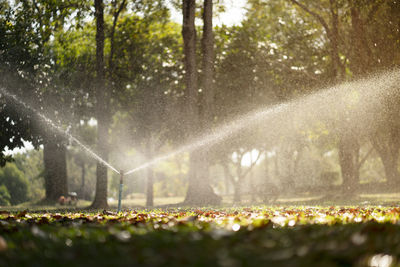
x=121 y=185
x=385 y=80
x=59 y=129
x=322 y=109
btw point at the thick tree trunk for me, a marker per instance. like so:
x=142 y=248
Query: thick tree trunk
x=55 y=162
x=207 y=77
x=348 y=160
x=100 y=200
x=199 y=190
x=360 y=62
x=189 y=40
x=237 y=195
x=338 y=68
x=388 y=151
x=391 y=170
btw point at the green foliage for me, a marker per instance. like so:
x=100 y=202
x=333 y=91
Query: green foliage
x=18 y=57
x=4 y=196
x=15 y=182
x=31 y=165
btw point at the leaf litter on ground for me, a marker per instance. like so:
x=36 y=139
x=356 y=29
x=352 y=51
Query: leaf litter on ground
x=283 y=236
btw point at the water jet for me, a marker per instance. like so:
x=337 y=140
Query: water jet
x=59 y=129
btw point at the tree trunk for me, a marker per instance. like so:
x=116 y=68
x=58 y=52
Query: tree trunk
x=360 y=62
x=150 y=177
x=55 y=162
x=199 y=191
x=338 y=68
x=83 y=177
x=387 y=144
x=149 y=191
x=207 y=77
x=189 y=41
x=253 y=187
x=388 y=151
x=227 y=181
x=100 y=200
x=237 y=194
x=348 y=159
x=391 y=170
x=348 y=146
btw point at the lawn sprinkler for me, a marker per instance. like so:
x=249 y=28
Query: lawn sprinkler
x=121 y=185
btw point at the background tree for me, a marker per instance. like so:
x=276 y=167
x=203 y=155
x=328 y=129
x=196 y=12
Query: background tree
x=148 y=74
x=199 y=191
x=15 y=182
x=102 y=110
x=5 y=197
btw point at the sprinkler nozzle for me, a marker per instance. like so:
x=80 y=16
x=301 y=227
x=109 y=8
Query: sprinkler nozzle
x=121 y=172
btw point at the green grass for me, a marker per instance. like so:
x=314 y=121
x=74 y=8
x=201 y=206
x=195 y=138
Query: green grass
x=383 y=199
x=264 y=236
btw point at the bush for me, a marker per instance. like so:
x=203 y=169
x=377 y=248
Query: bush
x=15 y=182
x=4 y=196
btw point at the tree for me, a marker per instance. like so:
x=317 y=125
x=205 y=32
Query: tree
x=80 y=165
x=48 y=89
x=102 y=110
x=348 y=146
x=241 y=173
x=373 y=36
x=15 y=182
x=199 y=191
x=42 y=19
x=144 y=81
x=20 y=48
x=5 y=197
x=32 y=166
x=55 y=163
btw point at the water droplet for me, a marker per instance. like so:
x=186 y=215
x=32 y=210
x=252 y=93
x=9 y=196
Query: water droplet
x=236 y=227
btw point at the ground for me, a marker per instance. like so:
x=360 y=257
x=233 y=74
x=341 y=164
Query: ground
x=262 y=235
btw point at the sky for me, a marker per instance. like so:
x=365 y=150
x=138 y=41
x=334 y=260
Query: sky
x=235 y=12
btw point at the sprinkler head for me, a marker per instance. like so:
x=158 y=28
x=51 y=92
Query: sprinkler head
x=121 y=172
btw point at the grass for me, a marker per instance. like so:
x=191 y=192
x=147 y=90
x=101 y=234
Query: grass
x=376 y=199
x=141 y=202
x=295 y=231
x=262 y=235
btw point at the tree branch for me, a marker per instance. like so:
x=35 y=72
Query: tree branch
x=112 y=49
x=374 y=9
x=252 y=164
x=227 y=172
x=362 y=161
x=317 y=16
